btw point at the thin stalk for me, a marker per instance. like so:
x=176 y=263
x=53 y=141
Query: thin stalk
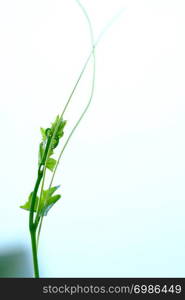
x=32 y=226
x=32 y=223
x=34 y=253
x=87 y=61
x=34 y=195
x=93 y=43
x=92 y=53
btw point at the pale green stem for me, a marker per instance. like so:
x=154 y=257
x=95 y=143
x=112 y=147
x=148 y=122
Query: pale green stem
x=61 y=117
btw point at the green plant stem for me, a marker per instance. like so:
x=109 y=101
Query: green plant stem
x=32 y=226
x=93 y=44
x=34 y=252
x=92 y=53
x=31 y=216
x=44 y=161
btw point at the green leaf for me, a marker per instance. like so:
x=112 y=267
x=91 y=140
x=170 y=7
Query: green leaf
x=48 y=200
x=49 y=132
x=45 y=203
x=27 y=205
x=61 y=124
x=51 y=201
x=51 y=163
x=43 y=132
x=60 y=131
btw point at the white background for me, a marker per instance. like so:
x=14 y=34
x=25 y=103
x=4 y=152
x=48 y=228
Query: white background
x=123 y=174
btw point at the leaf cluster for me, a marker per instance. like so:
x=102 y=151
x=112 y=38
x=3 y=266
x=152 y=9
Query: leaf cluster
x=45 y=203
x=52 y=134
x=50 y=140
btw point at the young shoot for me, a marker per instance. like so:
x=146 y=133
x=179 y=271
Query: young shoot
x=42 y=198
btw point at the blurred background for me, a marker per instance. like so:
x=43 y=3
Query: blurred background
x=123 y=174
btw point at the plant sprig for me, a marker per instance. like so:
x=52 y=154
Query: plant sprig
x=38 y=206
x=41 y=205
